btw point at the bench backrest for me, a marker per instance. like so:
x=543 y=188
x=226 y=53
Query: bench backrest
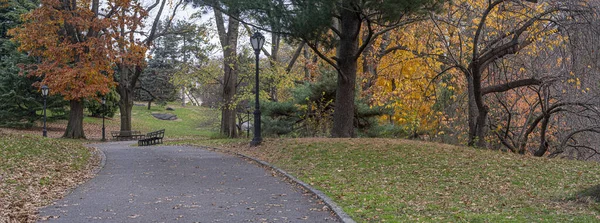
x=158 y=134
x=125 y=133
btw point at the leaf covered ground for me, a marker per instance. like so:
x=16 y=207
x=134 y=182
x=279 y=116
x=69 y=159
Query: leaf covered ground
x=393 y=180
x=34 y=171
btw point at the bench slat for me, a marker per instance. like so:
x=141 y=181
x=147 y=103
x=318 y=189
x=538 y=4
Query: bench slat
x=152 y=138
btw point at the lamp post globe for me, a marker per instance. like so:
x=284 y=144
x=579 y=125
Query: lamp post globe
x=45 y=91
x=103 y=111
x=257 y=40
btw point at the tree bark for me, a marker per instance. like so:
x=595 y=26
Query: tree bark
x=126 y=89
x=343 y=115
x=75 y=126
x=228 y=41
x=543 y=142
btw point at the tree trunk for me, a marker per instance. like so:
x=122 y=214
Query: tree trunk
x=228 y=116
x=126 y=101
x=228 y=41
x=343 y=115
x=543 y=142
x=183 y=96
x=478 y=111
x=75 y=126
x=125 y=109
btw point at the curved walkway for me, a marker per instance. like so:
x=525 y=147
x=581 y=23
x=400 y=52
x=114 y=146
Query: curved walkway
x=183 y=184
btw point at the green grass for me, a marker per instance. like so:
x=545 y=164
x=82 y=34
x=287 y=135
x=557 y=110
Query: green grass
x=191 y=121
x=378 y=180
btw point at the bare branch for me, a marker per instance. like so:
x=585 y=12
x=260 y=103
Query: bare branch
x=510 y=85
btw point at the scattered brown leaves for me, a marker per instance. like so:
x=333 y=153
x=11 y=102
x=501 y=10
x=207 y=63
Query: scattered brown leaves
x=376 y=179
x=34 y=171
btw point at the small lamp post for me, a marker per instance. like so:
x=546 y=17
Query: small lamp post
x=45 y=91
x=103 y=112
x=257 y=40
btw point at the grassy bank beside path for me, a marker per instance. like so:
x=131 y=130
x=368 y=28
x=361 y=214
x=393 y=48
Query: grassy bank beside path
x=377 y=180
x=34 y=171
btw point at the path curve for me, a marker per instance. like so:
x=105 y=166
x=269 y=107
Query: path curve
x=184 y=184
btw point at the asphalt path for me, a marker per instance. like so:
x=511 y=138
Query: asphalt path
x=184 y=184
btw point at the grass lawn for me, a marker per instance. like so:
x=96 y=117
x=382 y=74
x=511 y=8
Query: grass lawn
x=398 y=180
x=195 y=122
x=34 y=171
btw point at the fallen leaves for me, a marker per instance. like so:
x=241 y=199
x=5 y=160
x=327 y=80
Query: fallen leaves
x=401 y=180
x=35 y=171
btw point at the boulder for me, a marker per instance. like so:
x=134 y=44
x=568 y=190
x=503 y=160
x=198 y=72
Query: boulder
x=168 y=117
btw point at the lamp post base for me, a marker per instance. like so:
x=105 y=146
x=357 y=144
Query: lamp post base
x=255 y=142
x=103 y=135
x=45 y=133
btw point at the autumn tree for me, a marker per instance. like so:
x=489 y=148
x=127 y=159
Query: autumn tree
x=474 y=35
x=132 y=49
x=76 y=59
x=396 y=75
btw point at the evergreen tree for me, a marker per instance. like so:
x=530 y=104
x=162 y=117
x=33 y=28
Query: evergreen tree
x=20 y=103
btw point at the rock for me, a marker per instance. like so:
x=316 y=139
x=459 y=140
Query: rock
x=246 y=126
x=168 y=117
x=170 y=109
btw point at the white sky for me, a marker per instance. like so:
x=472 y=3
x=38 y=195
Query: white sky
x=185 y=13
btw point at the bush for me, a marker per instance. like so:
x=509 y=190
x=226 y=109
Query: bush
x=310 y=113
x=112 y=105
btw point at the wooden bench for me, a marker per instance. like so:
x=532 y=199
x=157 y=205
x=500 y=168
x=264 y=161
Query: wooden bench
x=126 y=135
x=152 y=138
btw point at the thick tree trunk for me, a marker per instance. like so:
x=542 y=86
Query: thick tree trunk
x=126 y=102
x=75 y=126
x=478 y=111
x=125 y=107
x=343 y=115
x=228 y=116
x=228 y=41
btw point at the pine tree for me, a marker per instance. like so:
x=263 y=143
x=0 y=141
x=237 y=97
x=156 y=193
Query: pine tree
x=20 y=103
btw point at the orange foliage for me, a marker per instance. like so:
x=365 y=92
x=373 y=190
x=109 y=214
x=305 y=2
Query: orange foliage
x=75 y=46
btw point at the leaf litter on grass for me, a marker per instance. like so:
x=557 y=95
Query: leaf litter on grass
x=400 y=180
x=34 y=171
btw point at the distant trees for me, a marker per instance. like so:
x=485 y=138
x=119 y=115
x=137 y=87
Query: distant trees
x=133 y=49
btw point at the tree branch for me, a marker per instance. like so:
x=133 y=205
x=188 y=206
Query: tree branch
x=510 y=85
